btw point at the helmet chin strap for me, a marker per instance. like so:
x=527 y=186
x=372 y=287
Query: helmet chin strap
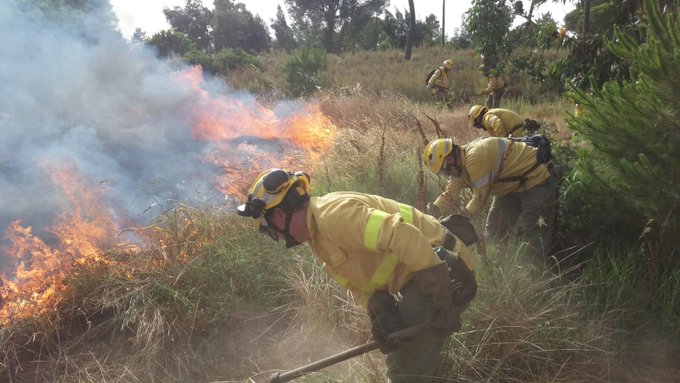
x=290 y=241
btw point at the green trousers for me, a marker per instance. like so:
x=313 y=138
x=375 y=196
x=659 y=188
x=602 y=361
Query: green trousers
x=416 y=359
x=531 y=212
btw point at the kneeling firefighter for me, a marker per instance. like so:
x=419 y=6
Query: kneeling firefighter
x=402 y=265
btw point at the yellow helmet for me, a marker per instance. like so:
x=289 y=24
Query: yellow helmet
x=269 y=190
x=435 y=153
x=448 y=63
x=475 y=112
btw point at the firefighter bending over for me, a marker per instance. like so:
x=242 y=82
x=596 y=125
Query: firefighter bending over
x=378 y=249
x=522 y=186
x=500 y=122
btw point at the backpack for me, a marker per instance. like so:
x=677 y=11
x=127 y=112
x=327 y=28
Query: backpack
x=543 y=155
x=540 y=141
x=530 y=126
x=429 y=75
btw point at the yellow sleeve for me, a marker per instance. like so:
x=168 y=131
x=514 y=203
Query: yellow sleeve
x=449 y=200
x=489 y=86
x=495 y=125
x=480 y=169
x=395 y=236
x=406 y=242
x=434 y=77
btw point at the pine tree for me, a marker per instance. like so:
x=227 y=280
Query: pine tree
x=633 y=129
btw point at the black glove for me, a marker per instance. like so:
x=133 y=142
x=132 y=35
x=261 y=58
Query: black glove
x=383 y=310
x=461 y=226
x=442 y=313
x=463 y=282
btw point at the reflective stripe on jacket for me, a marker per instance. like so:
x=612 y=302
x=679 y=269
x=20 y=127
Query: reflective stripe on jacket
x=500 y=122
x=486 y=160
x=439 y=78
x=370 y=243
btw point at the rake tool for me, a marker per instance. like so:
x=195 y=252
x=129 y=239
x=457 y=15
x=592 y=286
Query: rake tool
x=394 y=338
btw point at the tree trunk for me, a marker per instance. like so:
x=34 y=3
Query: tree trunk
x=443 y=22
x=411 y=30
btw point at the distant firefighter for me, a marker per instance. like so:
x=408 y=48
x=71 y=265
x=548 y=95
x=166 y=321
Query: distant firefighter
x=500 y=122
x=495 y=87
x=438 y=83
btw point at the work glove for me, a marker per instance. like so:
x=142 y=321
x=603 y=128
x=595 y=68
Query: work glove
x=442 y=314
x=383 y=310
x=463 y=283
x=461 y=227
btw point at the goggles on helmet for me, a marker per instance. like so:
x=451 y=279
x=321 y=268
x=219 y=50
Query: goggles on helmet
x=267 y=192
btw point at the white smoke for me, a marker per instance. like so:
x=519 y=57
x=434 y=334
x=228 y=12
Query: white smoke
x=73 y=89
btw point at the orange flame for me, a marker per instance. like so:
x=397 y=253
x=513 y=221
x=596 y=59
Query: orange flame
x=38 y=282
x=268 y=141
x=245 y=138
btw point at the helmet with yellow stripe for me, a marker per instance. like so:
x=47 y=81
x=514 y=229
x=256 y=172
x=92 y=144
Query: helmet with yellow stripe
x=435 y=153
x=269 y=191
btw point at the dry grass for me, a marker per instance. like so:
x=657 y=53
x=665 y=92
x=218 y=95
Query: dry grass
x=206 y=300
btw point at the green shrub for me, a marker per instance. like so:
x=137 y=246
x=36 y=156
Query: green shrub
x=303 y=71
x=631 y=139
x=229 y=59
x=167 y=42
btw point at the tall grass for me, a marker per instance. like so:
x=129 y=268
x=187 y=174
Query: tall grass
x=207 y=299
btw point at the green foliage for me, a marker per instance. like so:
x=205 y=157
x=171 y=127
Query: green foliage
x=488 y=23
x=168 y=42
x=633 y=151
x=233 y=26
x=589 y=63
x=303 y=71
x=229 y=59
x=205 y=60
x=317 y=23
x=285 y=38
x=193 y=21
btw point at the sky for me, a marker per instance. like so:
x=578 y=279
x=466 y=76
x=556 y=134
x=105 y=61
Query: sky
x=148 y=14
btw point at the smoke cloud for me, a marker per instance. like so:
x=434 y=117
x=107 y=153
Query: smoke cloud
x=74 y=91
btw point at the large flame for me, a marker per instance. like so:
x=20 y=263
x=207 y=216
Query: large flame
x=82 y=232
x=242 y=138
x=248 y=137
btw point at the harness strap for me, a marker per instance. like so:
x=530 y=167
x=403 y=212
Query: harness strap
x=523 y=178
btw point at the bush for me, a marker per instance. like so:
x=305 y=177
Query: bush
x=632 y=141
x=302 y=71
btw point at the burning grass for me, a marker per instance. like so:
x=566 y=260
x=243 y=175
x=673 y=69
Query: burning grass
x=201 y=297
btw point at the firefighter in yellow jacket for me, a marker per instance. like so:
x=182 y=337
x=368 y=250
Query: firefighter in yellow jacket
x=524 y=189
x=438 y=84
x=500 y=122
x=495 y=87
x=378 y=249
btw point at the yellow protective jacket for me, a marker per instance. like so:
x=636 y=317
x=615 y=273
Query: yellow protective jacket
x=370 y=243
x=501 y=122
x=439 y=79
x=494 y=83
x=485 y=162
